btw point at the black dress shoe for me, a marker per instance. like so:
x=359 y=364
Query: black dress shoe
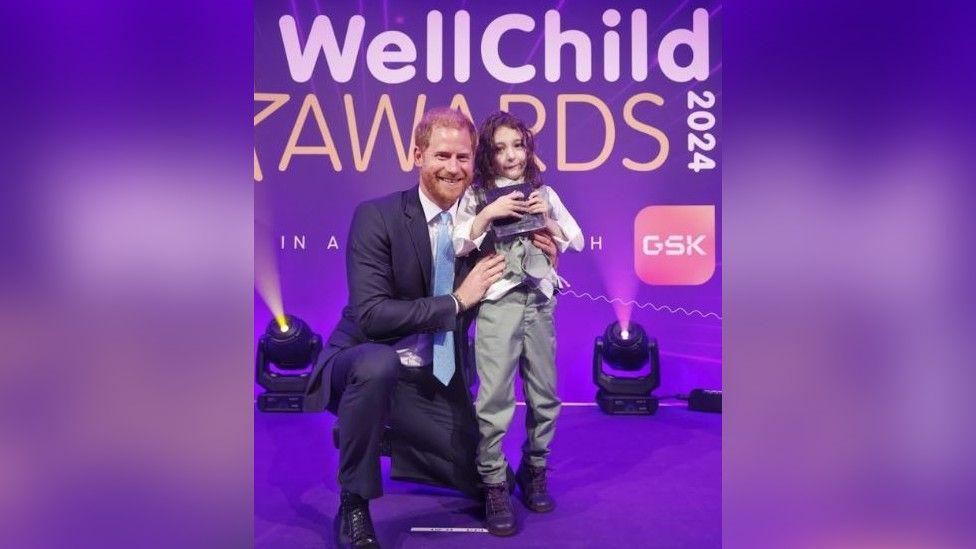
x=386 y=448
x=499 y=513
x=533 y=484
x=356 y=526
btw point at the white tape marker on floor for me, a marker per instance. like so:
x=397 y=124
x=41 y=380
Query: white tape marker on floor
x=439 y=529
x=594 y=404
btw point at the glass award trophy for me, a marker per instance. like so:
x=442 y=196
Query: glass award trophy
x=509 y=226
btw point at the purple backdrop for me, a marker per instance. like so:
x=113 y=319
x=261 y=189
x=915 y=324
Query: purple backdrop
x=311 y=201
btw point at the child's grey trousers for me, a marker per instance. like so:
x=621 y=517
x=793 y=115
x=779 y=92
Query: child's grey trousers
x=515 y=331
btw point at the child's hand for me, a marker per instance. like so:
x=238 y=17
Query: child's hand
x=509 y=205
x=536 y=204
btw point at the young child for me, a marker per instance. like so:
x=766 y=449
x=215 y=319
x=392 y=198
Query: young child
x=515 y=321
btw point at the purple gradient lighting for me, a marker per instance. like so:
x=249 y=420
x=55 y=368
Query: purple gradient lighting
x=618 y=278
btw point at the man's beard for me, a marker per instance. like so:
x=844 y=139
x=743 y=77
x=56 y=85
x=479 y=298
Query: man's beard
x=438 y=193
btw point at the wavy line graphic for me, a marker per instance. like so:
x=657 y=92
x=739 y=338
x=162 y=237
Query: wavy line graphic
x=667 y=308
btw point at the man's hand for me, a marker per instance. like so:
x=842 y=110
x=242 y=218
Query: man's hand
x=486 y=271
x=543 y=240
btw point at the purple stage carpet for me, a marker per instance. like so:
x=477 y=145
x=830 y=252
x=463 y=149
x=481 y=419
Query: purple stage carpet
x=618 y=482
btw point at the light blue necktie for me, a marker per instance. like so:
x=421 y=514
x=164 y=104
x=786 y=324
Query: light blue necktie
x=444 y=285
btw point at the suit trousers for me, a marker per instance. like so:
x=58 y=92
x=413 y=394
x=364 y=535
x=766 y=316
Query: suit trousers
x=515 y=331
x=433 y=428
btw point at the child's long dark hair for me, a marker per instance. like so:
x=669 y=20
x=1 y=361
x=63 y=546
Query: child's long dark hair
x=484 y=172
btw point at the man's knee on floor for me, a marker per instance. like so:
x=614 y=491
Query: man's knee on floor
x=377 y=364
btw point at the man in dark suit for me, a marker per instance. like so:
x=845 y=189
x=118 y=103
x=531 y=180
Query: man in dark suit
x=399 y=354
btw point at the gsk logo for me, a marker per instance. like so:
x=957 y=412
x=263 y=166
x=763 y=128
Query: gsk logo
x=675 y=245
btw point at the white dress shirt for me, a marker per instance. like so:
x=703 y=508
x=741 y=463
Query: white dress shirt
x=463 y=244
x=418 y=349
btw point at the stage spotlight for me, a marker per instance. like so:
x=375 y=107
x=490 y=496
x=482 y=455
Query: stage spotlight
x=286 y=353
x=631 y=350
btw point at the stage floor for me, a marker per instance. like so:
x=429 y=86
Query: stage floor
x=653 y=481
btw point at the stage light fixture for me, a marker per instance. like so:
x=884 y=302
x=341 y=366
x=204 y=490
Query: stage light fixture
x=286 y=354
x=627 y=349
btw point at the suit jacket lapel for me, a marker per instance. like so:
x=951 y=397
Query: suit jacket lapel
x=419 y=234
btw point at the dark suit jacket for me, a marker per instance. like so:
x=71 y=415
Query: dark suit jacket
x=388 y=268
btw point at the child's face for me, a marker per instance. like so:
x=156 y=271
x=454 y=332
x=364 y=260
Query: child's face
x=509 y=157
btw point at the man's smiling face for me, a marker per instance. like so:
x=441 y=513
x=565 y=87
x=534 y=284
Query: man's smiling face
x=446 y=165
